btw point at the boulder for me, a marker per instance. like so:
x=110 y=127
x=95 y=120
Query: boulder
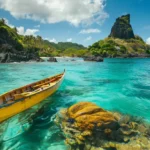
x=40 y=60
x=88 y=116
x=88 y=126
x=52 y=59
x=73 y=60
x=93 y=58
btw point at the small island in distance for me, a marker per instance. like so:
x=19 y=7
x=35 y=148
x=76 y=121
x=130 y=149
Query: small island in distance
x=122 y=42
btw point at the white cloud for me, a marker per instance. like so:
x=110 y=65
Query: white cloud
x=37 y=26
x=22 y=31
x=51 y=40
x=88 y=38
x=87 y=31
x=148 y=41
x=31 y=31
x=7 y=22
x=69 y=40
x=53 y=11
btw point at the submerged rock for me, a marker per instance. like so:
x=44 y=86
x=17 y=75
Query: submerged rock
x=87 y=126
x=91 y=116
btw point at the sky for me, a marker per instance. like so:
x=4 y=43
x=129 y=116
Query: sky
x=78 y=21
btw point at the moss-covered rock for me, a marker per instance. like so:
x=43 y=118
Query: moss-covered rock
x=88 y=116
x=87 y=126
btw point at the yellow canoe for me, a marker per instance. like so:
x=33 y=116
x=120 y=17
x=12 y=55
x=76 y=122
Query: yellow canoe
x=18 y=100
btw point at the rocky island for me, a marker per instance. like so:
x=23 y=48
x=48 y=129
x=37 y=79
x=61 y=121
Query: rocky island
x=122 y=42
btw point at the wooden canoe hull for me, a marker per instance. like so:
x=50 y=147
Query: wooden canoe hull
x=28 y=102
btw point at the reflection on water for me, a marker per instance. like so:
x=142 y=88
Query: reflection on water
x=122 y=86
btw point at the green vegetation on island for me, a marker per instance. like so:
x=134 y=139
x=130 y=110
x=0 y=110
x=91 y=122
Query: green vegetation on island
x=115 y=47
x=15 y=47
x=64 y=49
x=121 y=42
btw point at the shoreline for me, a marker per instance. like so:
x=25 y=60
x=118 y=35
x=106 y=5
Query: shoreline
x=15 y=62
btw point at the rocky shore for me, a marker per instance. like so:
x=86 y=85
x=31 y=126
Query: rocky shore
x=132 y=56
x=52 y=59
x=86 y=126
x=9 y=54
x=93 y=58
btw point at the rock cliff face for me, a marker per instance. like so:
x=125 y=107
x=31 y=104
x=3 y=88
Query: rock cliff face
x=122 y=28
x=11 y=49
x=9 y=54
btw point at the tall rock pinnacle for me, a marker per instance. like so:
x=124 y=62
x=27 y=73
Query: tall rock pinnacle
x=122 y=28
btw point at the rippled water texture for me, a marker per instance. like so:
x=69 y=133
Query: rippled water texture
x=115 y=84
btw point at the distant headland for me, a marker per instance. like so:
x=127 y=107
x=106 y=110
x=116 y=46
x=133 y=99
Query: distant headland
x=122 y=42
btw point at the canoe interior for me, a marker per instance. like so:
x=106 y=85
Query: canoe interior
x=19 y=93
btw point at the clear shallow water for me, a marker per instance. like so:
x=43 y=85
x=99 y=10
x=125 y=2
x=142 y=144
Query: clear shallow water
x=116 y=84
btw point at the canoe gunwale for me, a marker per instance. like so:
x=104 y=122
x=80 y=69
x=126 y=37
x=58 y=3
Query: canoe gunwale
x=31 y=84
x=38 y=92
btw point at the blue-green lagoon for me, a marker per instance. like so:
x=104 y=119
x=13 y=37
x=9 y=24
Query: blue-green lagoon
x=116 y=84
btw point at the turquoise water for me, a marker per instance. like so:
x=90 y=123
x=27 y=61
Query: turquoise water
x=116 y=84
